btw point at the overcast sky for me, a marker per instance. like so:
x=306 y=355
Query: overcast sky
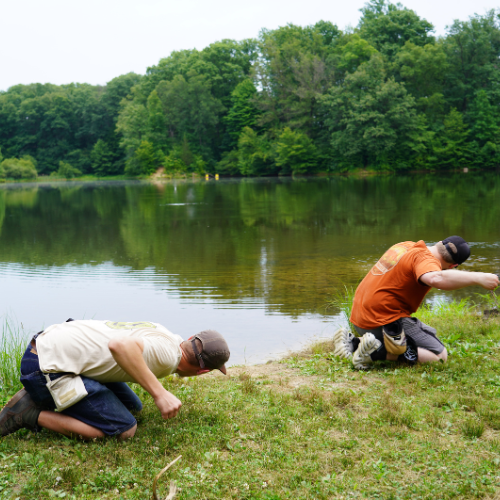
x=63 y=41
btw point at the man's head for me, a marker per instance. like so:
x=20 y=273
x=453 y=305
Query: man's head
x=203 y=352
x=454 y=250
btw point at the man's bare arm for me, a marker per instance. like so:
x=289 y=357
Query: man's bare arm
x=453 y=279
x=127 y=352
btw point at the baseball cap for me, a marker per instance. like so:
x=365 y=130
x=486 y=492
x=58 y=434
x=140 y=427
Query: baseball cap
x=458 y=248
x=214 y=350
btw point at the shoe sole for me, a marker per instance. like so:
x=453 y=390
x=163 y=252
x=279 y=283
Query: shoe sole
x=14 y=399
x=7 y=412
x=340 y=349
x=368 y=342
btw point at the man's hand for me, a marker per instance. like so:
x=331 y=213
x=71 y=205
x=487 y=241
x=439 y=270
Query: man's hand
x=168 y=404
x=489 y=281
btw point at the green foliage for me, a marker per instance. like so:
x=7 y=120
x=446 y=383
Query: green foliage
x=23 y=168
x=243 y=112
x=12 y=346
x=228 y=165
x=66 y=171
x=295 y=153
x=53 y=123
x=255 y=154
x=343 y=302
x=451 y=148
x=293 y=72
x=370 y=117
x=485 y=131
x=157 y=126
x=181 y=159
x=388 y=27
x=354 y=51
x=145 y=161
x=423 y=71
x=472 y=48
x=102 y=159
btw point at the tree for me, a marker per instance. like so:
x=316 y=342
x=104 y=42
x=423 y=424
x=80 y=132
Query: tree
x=353 y=51
x=67 y=171
x=485 y=132
x=132 y=125
x=102 y=159
x=295 y=153
x=157 y=129
x=450 y=145
x=14 y=168
x=255 y=154
x=243 y=112
x=473 y=49
x=145 y=160
x=292 y=73
x=388 y=27
x=228 y=164
x=423 y=71
x=370 y=118
x=190 y=109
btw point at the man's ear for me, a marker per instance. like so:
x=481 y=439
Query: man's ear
x=201 y=372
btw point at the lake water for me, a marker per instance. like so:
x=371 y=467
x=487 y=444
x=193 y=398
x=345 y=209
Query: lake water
x=258 y=260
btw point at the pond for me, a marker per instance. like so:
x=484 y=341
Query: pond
x=257 y=259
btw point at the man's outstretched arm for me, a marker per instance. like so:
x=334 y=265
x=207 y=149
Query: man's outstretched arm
x=127 y=352
x=453 y=279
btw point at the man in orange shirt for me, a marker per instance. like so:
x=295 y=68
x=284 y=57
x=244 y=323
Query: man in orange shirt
x=393 y=290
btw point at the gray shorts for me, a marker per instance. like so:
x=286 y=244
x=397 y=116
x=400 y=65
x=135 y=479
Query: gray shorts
x=423 y=335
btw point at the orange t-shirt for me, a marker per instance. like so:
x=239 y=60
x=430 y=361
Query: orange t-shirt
x=391 y=289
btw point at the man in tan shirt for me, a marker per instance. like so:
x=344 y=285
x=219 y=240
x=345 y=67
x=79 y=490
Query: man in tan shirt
x=80 y=368
x=393 y=290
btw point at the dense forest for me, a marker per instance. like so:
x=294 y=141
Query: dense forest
x=386 y=96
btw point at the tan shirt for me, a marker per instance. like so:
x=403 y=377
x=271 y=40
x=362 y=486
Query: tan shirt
x=81 y=347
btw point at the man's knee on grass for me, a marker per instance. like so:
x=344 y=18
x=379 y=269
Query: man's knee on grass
x=425 y=356
x=128 y=434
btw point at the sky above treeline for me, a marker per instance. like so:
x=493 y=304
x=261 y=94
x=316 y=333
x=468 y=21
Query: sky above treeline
x=59 y=41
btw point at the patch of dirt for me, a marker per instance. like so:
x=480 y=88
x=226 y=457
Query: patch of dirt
x=158 y=173
x=282 y=377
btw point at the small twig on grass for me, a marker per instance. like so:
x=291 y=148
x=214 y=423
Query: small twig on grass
x=173 y=488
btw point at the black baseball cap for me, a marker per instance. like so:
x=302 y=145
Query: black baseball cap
x=458 y=249
x=214 y=352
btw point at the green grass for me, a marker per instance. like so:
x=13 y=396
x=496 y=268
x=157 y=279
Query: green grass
x=12 y=346
x=308 y=427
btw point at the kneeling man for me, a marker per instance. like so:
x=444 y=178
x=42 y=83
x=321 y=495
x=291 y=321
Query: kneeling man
x=393 y=290
x=74 y=375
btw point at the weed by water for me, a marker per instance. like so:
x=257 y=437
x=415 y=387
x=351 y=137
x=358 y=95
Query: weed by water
x=12 y=347
x=343 y=302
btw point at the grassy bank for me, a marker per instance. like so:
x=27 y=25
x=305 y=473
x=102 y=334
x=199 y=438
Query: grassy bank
x=307 y=427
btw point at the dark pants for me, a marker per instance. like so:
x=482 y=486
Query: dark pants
x=106 y=407
x=422 y=335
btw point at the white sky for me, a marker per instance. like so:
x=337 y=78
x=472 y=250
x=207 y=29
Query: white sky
x=63 y=41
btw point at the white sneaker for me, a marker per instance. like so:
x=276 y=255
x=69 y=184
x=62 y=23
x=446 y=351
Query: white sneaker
x=342 y=343
x=361 y=357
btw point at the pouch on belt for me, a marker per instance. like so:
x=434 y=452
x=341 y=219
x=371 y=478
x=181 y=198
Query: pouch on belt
x=66 y=390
